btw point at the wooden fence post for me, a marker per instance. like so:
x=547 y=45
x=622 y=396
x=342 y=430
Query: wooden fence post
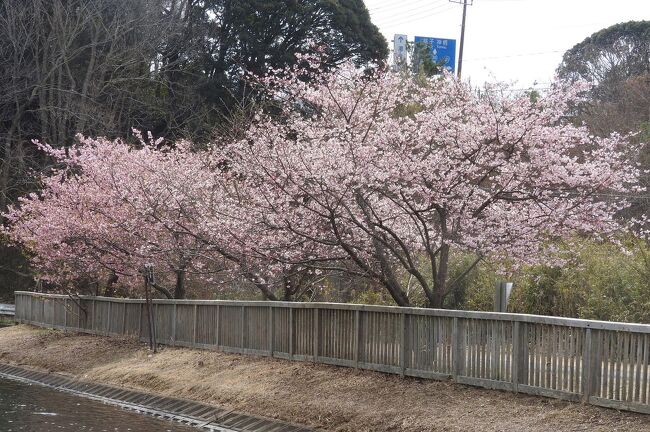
x=110 y=318
x=217 y=339
x=458 y=348
x=316 y=333
x=403 y=343
x=140 y=322
x=357 y=331
x=154 y=325
x=194 y=323
x=124 y=319
x=92 y=322
x=592 y=364
x=271 y=330
x=65 y=315
x=243 y=327
x=290 y=332
x=586 y=366
x=517 y=354
x=174 y=324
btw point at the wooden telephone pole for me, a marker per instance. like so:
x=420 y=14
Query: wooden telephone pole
x=465 y=3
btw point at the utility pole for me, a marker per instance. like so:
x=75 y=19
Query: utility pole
x=465 y=3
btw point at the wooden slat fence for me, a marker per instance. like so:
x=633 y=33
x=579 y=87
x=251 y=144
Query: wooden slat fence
x=599 y=362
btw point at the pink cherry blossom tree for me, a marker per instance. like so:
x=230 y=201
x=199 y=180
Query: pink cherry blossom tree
x=371 y=174
x=394 y=175
x=109 y=209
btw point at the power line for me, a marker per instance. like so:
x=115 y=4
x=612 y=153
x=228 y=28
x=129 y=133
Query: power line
x=397 y=15
x=392 y=5
x=381 y=4
x=411 y=17
x=516 y=55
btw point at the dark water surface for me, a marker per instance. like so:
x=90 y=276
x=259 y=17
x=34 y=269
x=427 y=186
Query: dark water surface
x=25 y=407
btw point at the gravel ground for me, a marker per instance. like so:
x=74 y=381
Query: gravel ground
x=328 y=397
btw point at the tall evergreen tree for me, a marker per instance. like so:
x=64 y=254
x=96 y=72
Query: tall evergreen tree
x=616 y=61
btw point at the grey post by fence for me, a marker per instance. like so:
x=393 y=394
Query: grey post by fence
x=597 y=362
x=501 y=296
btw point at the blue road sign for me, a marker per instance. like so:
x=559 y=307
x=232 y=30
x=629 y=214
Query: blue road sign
x=442 y=50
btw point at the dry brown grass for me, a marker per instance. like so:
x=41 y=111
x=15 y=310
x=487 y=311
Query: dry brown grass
x=328 y=397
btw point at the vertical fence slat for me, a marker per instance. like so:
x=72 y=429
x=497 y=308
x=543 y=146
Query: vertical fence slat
x=357 y=333
x=456 y=342
x=316 y=333
x=609 y=377
x=110 y=317
x=517 y=355
x=123 y=331
x=403 y=341
x=242 y=342
x=92 y=317
x=174 y=320
x=65 y=314
x=271 y=334
x=637 y=368
x=291 y=333
x=217 y=335
x=644 y=379
x=568 y=358
x=194 y=319
x=588 y=370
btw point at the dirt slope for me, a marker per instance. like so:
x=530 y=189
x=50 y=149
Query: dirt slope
x=328 y=397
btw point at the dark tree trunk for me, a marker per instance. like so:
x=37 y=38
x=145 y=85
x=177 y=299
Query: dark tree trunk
x=388 y=277
x=179 y=291
x=110 y=285
x=440 y=282
x=266 y=292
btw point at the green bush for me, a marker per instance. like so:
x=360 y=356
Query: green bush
x=599 y=281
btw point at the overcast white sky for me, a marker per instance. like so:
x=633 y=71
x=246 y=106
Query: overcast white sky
x=507 y=40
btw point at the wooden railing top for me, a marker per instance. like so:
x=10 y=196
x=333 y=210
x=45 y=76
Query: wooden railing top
x=452 y=313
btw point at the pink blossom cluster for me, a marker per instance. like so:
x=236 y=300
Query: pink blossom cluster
x=378 y=175
x=110 y=208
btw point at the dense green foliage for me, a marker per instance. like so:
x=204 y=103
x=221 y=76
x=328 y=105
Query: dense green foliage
x=598 y=281
x=14 y=273
x=177 y=69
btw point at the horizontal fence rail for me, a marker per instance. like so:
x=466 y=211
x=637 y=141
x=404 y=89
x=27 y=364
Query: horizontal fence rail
x=7 y=310
x=599 y=362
